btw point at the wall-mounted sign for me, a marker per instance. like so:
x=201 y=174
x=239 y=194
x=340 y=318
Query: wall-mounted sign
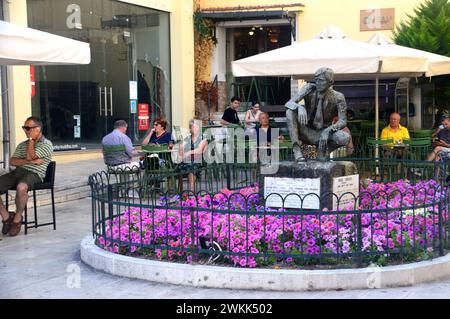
x=133 y=106
x=143 y=117
x=133 y=90
x=377 y=19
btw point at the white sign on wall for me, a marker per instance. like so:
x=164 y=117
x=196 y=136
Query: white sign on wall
x=285 y=186
x=133 y=90
x=345 y=184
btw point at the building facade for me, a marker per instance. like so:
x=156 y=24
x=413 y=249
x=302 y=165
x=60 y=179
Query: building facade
x=141 y=68
x=246 y=28
x=143 y=51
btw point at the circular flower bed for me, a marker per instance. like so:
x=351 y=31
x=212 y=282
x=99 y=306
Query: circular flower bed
x=390 y=219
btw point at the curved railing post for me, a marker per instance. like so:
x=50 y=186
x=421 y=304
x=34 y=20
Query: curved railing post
x=440 y=212
x=359 y=239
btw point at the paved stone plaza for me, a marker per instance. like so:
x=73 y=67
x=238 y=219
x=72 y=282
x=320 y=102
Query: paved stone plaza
x=47 y=264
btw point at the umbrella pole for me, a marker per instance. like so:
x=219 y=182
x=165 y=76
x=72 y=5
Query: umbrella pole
x=377 y=117
x=5 y=117
x=377 y=107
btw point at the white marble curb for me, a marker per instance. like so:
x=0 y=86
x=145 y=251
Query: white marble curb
x=263 y=279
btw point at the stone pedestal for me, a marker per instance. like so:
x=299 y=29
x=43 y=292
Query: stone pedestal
x=299 y=172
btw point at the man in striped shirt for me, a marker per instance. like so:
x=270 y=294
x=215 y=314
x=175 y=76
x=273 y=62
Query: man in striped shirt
x=31 y=159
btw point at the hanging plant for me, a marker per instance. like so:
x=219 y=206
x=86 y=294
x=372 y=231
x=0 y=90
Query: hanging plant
x=204 y=28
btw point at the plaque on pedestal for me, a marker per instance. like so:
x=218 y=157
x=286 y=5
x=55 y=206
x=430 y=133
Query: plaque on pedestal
x=312 y=182
x=346 y=188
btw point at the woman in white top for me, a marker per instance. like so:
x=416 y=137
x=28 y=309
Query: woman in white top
x=252 y=115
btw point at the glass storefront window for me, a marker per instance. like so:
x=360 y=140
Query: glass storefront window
x=79 y=104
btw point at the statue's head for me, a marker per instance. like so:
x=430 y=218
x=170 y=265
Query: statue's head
x=324 y=79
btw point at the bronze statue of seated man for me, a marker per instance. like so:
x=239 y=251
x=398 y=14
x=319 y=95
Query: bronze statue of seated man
x=310 y=116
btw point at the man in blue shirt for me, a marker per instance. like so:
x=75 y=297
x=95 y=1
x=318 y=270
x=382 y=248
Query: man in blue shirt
x=117 y=137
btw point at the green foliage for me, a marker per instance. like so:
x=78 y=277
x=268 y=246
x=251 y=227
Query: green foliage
x=204 y=27
x=428 y=29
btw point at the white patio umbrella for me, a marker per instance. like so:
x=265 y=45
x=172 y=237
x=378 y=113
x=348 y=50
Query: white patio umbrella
x=20 y=45
x=331 y=48
x=436 y=64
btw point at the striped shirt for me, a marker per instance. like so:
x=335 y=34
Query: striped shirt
x=43 y=150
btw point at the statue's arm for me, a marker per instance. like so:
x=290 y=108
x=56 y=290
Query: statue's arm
x=342 y=114
x=304 y=91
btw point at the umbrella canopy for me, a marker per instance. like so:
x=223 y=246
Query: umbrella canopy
x=331 y=48
x=436 y=64
x=20 y=45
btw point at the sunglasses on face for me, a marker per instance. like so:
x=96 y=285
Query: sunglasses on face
x=27 y=128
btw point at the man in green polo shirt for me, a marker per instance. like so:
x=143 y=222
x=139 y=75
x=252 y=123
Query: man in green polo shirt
x=31 y=159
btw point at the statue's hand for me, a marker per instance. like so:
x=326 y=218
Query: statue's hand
x=302 y=115
x=309 y=87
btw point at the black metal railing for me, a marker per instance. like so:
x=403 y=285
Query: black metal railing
x=226 y=219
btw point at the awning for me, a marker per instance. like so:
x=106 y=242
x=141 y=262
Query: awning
x=20 y=45
x=245 y=15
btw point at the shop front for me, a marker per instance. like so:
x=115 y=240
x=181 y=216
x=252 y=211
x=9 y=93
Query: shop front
x=130 y=70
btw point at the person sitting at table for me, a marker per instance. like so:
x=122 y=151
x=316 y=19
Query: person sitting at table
x=191 y=153
x=394 y=130
x=264 y=136
x=252 y=115
x=441 y=143
x=230 y=116
x=439 y=126
x=119 y=159
x=265 y=130
x=158 y=134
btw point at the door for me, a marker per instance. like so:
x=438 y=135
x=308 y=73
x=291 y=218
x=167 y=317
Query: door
x=111 y=49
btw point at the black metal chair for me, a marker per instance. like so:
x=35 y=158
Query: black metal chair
x=47 y=183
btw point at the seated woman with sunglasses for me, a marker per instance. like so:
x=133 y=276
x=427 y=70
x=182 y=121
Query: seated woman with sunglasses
x=158 y=134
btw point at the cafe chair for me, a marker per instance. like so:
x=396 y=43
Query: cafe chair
x=381 y=163
x=125 y=174
x=47 y=183
x=417 y=166
x=158 y=167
